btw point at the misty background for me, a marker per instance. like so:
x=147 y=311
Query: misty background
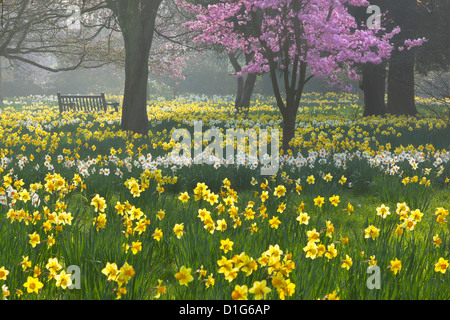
x=211 y=76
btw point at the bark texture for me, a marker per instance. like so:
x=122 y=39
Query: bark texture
x=373 y=85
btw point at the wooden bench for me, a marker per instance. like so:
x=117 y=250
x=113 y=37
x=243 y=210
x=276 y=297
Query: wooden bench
x=86 y=103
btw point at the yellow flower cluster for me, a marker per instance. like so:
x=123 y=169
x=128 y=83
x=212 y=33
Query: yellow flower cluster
x=121 y=276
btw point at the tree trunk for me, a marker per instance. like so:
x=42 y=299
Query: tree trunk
x=267 y=85
x=175 y=87
x=294 y=84
x=245 y=87
x=134 y=111
x=360 y=93
x=401 y=93
x=374 y=87
x=289 y=118
x=137 y=23
x=249 y=86
x=239 y=80
x=239 y=93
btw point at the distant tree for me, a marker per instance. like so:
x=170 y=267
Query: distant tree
x=436 y=85
x=433 y=59
x=237 y=57
x=37 y=33
x=372 y=76
x=434 y=54
x=396 y=77
x=401 y=70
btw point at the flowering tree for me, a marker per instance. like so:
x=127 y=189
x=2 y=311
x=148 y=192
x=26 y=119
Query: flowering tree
x=172 y=48
x=303 y=38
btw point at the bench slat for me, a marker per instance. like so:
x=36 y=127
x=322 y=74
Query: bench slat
x=85 y=105
x=89 y=105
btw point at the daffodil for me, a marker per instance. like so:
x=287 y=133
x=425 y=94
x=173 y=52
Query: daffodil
x=210 y=281
x=240 y=292
x=319 y=201
x=136 y=246
x=280 y=191
x=160 y=289
x=3 y=273
x=63 y=280
x=311 y=250
x=303 y=218
x=178 y=229
x=99 y=203
x=184 y=197
x=441 y=266
x=313 y=235
x=126 y=272
x=111 y=271
x=274 y=222
x=332 y=296
x=226 y=245
x=264 y=196
x=33 y=285
x=26 y=263
x=383 y=211
x=347 y=262
x=331 y=252
x=395 y=266
x=437 y=241
x=371 y=232
x=334 y=200
x=158 y=234
x=100 y=221
x=5 y=292
x=184 y=276
x=35 y=239
x=259 y=289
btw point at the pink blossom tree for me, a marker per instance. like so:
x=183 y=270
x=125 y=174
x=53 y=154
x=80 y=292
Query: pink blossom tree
x=302 y=38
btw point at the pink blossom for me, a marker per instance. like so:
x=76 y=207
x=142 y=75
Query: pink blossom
x=327 y=39
x=414 y=43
